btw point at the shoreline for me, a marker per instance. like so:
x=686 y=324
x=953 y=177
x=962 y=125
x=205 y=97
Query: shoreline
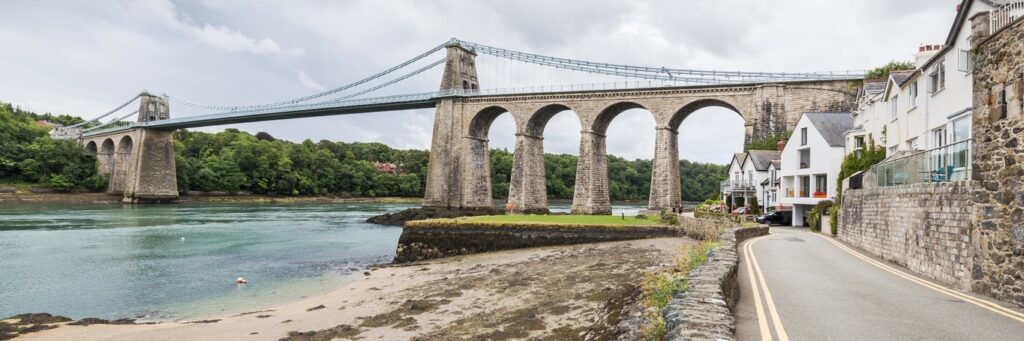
x=103 y=198
x=556 y=291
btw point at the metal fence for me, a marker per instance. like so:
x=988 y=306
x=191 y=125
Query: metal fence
x=951 y=162
x=1005 y=13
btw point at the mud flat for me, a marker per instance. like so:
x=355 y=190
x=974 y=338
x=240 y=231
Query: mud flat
x=548 y=293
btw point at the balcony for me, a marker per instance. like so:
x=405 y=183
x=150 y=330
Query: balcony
x=737 y=186
x=951 y=162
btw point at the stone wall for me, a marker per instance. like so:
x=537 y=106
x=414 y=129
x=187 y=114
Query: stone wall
x=439 y=238
x=923 y=227
x=704 y=311
x=998 y=133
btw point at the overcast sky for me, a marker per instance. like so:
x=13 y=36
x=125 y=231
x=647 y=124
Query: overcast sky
x=85 y=57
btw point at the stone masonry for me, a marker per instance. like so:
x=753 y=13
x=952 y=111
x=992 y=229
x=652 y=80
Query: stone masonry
x=998 y=133
x=459 y=173
x=139 y=163
x=923 y=227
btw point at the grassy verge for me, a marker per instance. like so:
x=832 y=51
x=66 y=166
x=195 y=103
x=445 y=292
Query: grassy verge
x=565 y=219
x=657 y=289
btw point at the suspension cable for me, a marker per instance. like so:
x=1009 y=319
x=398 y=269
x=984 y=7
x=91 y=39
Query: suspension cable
x=393 y=81
x=109 y=112
x=112 y=121
x=310 y=97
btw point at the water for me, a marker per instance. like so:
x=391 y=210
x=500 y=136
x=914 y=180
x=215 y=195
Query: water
x=180 y=261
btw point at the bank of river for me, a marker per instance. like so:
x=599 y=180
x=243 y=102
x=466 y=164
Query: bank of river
x=179 y=261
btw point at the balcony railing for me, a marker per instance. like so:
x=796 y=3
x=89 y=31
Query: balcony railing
x=736 y=186
x=951 y=162
x=1005 y=13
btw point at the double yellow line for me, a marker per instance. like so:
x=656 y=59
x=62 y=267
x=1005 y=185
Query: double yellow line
x=758 y=284
x=990 y=306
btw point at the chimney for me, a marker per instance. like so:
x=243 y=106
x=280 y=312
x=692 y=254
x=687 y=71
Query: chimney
x=780 y=145
x=925 y=52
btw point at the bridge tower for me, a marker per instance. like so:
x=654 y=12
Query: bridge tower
x=139 y=163
x=454 y=176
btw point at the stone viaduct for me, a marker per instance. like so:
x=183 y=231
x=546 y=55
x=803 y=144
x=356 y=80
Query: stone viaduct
x=139 y=160
x=459 y=175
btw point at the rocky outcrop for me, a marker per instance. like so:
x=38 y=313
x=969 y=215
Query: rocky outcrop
x=432 y=239
x=704 y=311
x=401 y=217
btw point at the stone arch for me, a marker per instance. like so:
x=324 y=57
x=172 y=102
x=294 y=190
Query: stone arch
x=677 y=118
x=124 y=145
x=91 y=148
x=480 y=124
x=605 y=117
x=528 y=186
x=465 y=85
x=539 y=120
x=476 y=167
x=107 y=147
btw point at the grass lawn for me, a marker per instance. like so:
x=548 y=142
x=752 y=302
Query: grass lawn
x=565 y=219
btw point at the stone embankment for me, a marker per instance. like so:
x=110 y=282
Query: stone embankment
x=401 y=217
x=438 y=238
x=704 y=311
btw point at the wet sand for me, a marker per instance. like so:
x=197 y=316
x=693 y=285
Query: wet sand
x=557 y=293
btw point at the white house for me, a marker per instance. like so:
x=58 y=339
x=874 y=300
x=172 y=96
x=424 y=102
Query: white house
x=811 y=161
x=928 y=108
x=772 y=186
x=747 y=175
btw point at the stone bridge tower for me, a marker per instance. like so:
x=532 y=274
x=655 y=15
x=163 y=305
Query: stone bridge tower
x=138 y=163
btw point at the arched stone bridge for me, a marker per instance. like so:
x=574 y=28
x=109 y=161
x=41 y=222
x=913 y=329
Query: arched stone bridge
x=459 y=170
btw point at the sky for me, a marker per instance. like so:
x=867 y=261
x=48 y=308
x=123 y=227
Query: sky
x=85 y=57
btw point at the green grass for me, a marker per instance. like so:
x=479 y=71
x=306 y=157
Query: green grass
x=565 y=219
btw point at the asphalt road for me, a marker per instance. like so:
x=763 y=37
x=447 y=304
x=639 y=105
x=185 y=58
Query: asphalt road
x=817 y=290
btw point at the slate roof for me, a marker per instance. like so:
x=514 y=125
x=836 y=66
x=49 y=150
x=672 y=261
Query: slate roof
x=777 y=164
x=901 y=77
x=872 y=88
x=762 y=158
x=740 y=158
x=831 y=126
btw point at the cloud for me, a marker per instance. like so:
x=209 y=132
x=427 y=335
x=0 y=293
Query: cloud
x=309 y=83
x=84 y=57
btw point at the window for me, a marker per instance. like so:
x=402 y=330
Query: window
x=912 y=144
x=913 y=94
x=803 y=136
x=805 y=158
x=938 y=137
x=962 y=129
x=858 y=142
x=820 y=186
x=965 y=62
x=893 y=149
x=895 y=105
x=805 y=186
x=937 y=78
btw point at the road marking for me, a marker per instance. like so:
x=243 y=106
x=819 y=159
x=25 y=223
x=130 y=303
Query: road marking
x=759 y=280
x=762 y=321
x=767 y=294
x=978 y=302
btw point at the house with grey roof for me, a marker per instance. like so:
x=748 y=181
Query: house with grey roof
x=811 y=160
x=748 y=173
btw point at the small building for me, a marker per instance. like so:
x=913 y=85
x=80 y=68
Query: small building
x=747 y=175
x=811 y=161
x=772 y=186
x=389 y=168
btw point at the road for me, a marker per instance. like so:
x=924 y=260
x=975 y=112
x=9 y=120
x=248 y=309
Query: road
x=820 y=289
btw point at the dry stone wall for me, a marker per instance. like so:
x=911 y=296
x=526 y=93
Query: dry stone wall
x=998 y=132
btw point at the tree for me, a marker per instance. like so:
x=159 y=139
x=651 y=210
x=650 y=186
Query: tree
x=882 y=72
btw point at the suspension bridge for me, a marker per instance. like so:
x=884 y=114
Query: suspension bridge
x=134 y=146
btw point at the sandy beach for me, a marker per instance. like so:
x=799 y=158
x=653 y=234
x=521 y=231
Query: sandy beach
x=563 y=292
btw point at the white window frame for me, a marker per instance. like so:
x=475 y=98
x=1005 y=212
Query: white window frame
x=937 y=78
x=965 y=62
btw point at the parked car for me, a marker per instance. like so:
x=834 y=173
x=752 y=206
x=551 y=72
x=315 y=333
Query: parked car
x=776 y=218
x=740 y=211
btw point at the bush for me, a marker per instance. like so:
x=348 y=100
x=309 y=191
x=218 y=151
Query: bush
x=833 y=214
x=669 y=218
x=814 y=218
